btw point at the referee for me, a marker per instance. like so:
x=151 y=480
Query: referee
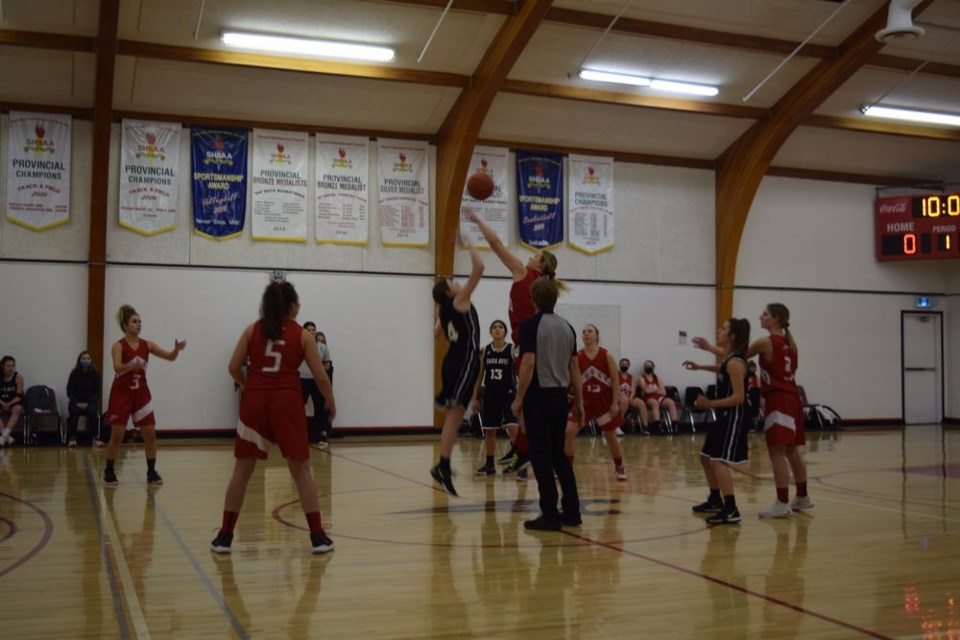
x=548 y=366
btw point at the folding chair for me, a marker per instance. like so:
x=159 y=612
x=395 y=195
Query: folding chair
x=39 y=403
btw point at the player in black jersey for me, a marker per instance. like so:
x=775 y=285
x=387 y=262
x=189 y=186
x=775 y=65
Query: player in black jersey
x=499 y=388
x=726 y=441
x=456 y=319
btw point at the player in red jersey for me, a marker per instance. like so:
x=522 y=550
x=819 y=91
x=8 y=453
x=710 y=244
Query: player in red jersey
x=601 y=400
x=783 y=424
x=626 y=387
x=130 y=395
x=540 y=264
x=272 y=410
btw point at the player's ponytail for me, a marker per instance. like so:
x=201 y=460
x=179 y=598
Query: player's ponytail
x=124 y=313
x=548 y=263
x=782 y=315
x=275 y=307
x=740 y=328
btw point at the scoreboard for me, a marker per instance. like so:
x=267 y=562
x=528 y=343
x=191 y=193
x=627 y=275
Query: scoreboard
x=918 y=227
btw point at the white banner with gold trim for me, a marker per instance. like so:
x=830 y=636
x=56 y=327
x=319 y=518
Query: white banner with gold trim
x=38 y=170
x=590 y=203
x=279 y=185
x=343 y=189
x=149 y=180
x=404 y=198
x=494 y=162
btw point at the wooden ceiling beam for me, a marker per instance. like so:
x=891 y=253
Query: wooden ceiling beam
x=41 y=40
x=741 y=168
x=286 y=63
x=498 y=7
x=867 y=125
x=79 y=113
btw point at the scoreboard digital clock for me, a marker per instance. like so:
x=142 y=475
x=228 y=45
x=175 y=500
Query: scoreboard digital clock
x=918 y=227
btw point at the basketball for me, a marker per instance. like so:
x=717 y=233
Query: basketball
x=480 y=186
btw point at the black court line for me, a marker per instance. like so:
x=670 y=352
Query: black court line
x=238 y=627
x=104 y=550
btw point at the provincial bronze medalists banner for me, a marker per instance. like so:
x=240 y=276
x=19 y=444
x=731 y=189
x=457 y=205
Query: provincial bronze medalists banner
x=343 y=189
x=404 y=203
x=279 y=185
x=149 y=179
x=591 y=204
x=38 y=170
x=492 y=161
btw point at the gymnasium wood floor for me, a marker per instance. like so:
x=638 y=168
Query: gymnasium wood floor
x=877 y=557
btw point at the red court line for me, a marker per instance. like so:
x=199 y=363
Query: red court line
x=44 y=539
x=735 y=587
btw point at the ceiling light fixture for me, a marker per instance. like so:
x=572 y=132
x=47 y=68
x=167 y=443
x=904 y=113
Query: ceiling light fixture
x=307 y=47
x=911 y=115
x=615 y=78
x=684 y=87
x=672 y=86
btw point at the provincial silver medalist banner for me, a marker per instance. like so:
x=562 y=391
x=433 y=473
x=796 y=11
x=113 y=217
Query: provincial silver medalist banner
x=149 y=180
x=38 y=170
x=591 y=203
x=279 y=185
x=404 y=203
x=343 y=189
x=492 y=161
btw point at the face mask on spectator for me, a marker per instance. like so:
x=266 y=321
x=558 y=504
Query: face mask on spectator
x=84 y=362
x=648 y=370
x=624 y=368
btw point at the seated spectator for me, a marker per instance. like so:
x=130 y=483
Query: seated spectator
x=318 y=425
x=325 y=354
x=83 y=394
x=11 y=398
x=654 y=395
x=754 y=399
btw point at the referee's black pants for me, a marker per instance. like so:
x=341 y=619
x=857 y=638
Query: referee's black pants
x=545 y=415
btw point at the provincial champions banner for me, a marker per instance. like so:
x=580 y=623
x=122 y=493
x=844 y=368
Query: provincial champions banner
x=404 y=193
x=149 y=184
x=591 y=204
x=38 y=170
x=343 y=189
x=219 y=181
x=493 y=211
x=540 y=198
x=279 y=185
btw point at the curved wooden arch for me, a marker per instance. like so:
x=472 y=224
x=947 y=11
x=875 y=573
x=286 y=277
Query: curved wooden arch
x=459 y=133
x=741 y=168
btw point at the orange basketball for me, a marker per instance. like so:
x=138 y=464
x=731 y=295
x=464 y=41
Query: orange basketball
x=480 y=186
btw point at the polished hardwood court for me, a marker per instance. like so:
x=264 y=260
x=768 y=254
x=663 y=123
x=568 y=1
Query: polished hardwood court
x=876 y=557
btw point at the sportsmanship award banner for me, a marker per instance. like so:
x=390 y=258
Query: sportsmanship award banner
x=38 y=170
x=540 y=198
x=404 y=193
x=279 y=185
x=591 y=204
x=343 y=189
x=149 y=184
x=493 y=211
x=219 y=181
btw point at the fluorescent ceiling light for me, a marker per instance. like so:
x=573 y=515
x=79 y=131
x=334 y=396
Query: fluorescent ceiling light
x=307 y=47
x=616 y=78
x=684 y=87
x=639 y=81
x=911 y=115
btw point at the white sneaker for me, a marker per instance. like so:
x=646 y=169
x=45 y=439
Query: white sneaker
x=619 y=432
x=801 y=503
x=777 y=510
x=3 y=439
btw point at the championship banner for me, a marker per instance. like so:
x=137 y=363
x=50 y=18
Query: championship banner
x=149 y=184
x=404 y=193
x=219 y=181
x=279 y=185
x=540 y=198
x=591 y=204
x=38 y=170
x=493 y=211
x=343 y=189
